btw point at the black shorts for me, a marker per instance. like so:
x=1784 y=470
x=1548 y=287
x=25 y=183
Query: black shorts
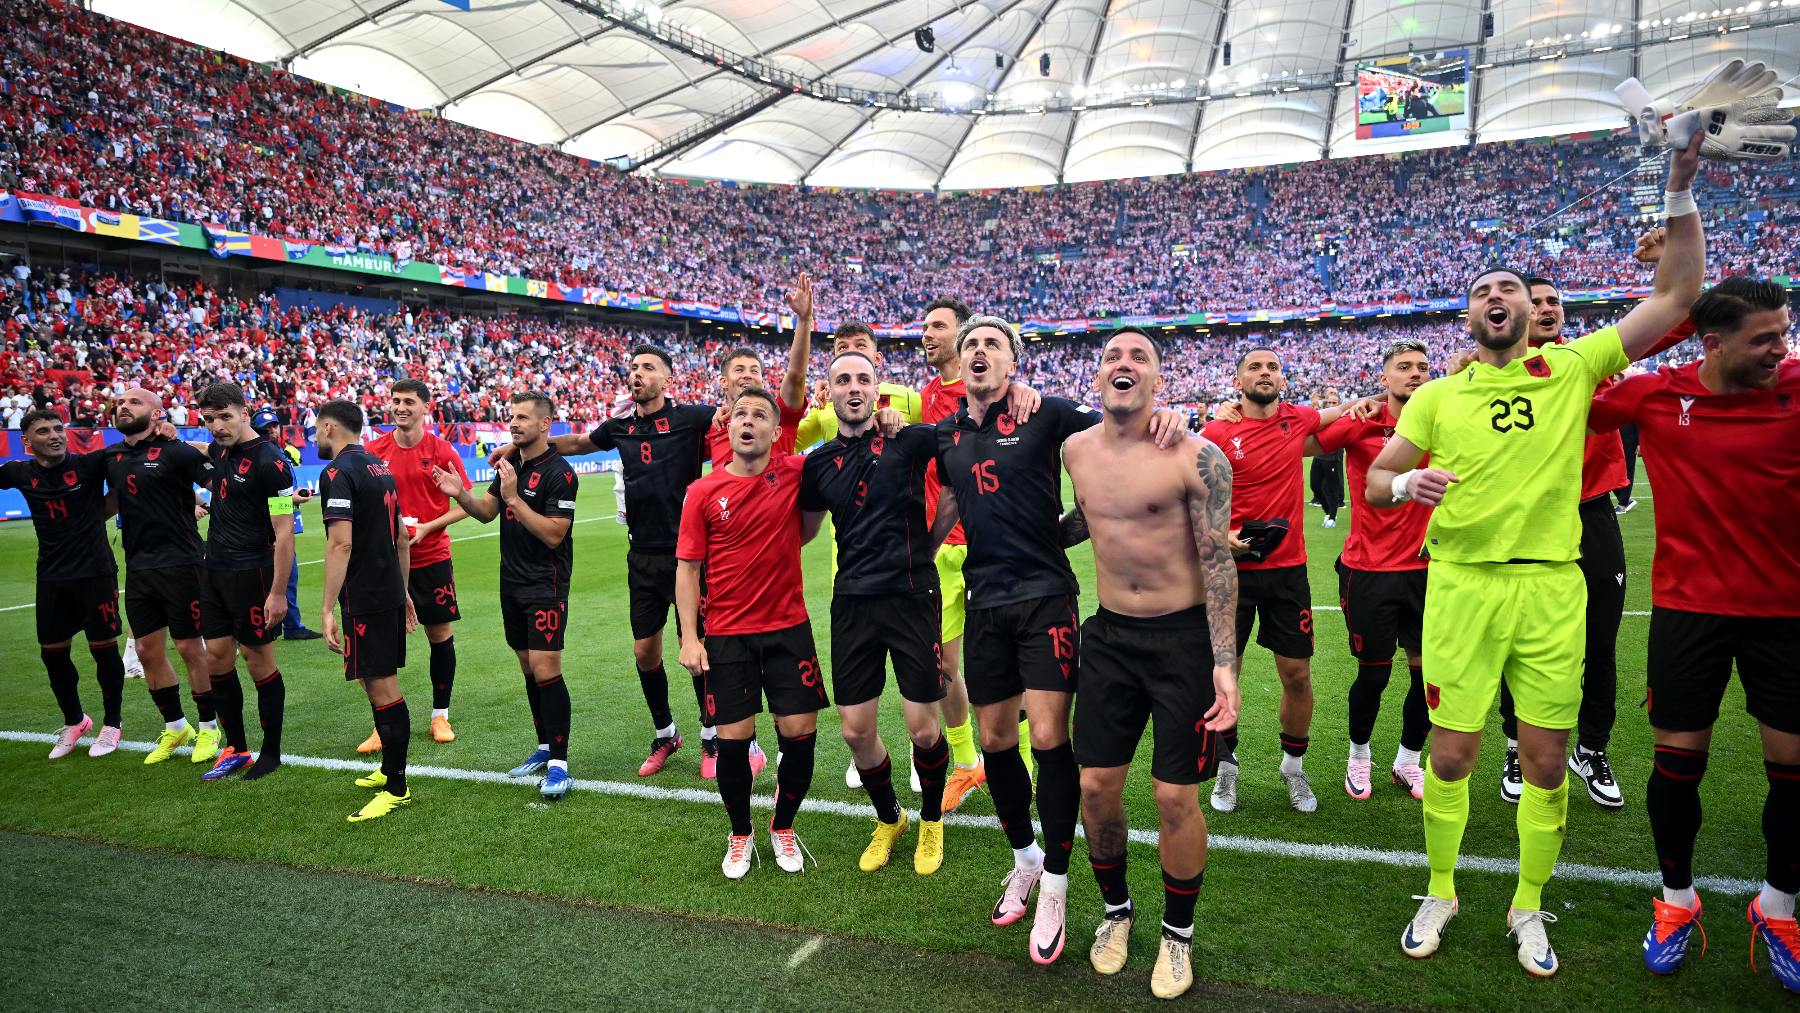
x=1134 y=670
x=867 y=629
x=167 y=597
x=1009 y=649
x=781 y=665
x=433 y=591
x=1382 y=609
x=88 y=605
x=375 y=644
x=533 y=625
x=231 y=605
x=1691 y=654
x=1282 y=599
x=650 y=583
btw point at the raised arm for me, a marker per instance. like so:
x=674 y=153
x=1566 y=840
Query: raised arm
x=1681 y=268
x=1209 y=511
x=793 y=385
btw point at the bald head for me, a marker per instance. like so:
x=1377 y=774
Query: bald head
x=137 y=410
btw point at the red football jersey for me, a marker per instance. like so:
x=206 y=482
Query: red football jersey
x=747 y=532
x=1267 y=480
x=420 y=498
x=1379 y=539
x=939 y=401
x=1602 y=460
x=718 y=438
x=1724 y=467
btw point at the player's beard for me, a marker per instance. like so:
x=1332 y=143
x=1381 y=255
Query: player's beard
x=1262 y=398
x=133 y=426
x=1497 y=341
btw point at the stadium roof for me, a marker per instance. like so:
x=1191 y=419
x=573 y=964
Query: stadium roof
x=1133 y=88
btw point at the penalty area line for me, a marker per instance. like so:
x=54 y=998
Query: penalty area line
x=1577 y=871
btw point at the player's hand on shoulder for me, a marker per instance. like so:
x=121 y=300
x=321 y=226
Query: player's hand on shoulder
x=166 y=429
x=1459 y=361
x=1024 y=401
x=1168 y=428
x=890 y=422
x=1365 y=409
x=495 y=456
x=1228 y=411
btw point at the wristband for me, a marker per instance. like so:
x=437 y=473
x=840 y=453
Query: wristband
x=1679 y=202
x=1401 y=490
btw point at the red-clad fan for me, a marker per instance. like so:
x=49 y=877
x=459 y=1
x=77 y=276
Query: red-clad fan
x=410 y=452
x=1265 y=440
x=741 y=523
x=741 y=370
x=1381 y=581
x=1721 y=443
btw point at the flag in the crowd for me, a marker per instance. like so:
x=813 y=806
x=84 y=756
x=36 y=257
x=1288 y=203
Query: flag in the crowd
x=225 y=242
x=155 y=230
x=402 y=253
x=295 y=251
x=335 y=250
x=37 y=209
x=85 y=441
x=453 y=276
x=204 y=119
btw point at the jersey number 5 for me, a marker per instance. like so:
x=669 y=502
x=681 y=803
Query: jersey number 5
x=1511 y=414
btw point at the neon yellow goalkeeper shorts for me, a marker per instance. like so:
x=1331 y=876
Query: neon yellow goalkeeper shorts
x=1522 y=622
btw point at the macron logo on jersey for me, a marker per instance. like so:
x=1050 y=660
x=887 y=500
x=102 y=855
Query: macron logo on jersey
x=724 y=505
x=1686 y=403
x=1237 y=447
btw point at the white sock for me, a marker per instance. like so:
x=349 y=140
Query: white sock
x=1776 y=904
x=1028 y=857
x=1291 y=764
x=1404 y=757
x=1187 y=933
x=545 y=746
x=1681 y=898
x=666 y=733
x=1113 y=909
x=210 y=726
x=1054 y=882
x=1512 y=744
x=441 y=712
x=176 y=725
x=708 y=733
x=562 y=765
x=1359 y=750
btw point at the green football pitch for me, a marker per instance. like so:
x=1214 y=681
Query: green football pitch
x=137 y=885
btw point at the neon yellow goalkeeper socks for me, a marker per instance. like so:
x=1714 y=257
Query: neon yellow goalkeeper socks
x=1543 y=823
x=1446 y=815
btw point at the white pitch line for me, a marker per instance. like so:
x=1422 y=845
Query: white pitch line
x=1218 y=842
x=805 y=952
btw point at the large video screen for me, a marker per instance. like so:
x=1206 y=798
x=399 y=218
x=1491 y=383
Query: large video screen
x=1417 y=94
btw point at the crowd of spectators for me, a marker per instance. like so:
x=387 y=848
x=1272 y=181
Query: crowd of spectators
x=74 y=341
x=128 y=120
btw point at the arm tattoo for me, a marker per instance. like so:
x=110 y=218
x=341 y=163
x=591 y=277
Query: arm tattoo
x=1210 y=514
x=1074 y=527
